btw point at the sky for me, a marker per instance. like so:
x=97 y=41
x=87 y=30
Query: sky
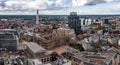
x=59 y=7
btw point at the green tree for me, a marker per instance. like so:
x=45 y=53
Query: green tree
x=80 y=47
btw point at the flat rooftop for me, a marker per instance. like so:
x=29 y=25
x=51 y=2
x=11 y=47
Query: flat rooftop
x=10 y=30
x=7 y=36
x=94 y=58
x=98 y=57
x=34 y=47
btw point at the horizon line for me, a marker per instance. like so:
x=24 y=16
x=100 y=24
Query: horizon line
x=58 y=14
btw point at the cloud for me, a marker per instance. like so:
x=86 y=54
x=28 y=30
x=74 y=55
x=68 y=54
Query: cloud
x=56 y=5
x=108 y=9
x=91 y=2
x=32 y=5
x=46 y=4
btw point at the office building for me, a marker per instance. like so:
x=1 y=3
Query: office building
x=8 y=39
x=106 y=21
x=74 y=22
x=86 y=21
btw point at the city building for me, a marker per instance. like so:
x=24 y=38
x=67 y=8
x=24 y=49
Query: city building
x=87 y=47
x=86 y=21
x=59 y=61
x=91 y=58
x=106 y=21
x=34 y=49
x=50 y=40
x=74 y=22
x=39 y=55
x=119 y=42
x=9 y=39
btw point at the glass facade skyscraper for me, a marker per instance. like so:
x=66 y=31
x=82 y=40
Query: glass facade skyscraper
x=74 y=22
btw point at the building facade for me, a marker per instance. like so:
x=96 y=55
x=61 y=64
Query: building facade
x=8 y=40
x=91 y=58
x=74 y=22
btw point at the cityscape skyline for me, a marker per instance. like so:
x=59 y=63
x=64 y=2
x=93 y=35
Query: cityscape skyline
x=59 y=7
x=51 y=36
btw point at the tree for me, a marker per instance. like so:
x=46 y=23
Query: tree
x=80 y=47
x=97 y=47
x=110 y=45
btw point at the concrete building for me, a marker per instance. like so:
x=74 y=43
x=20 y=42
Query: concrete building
x=8 y=39
x=50 y=40
x=40 y=56
x=34 y=49
x=74 y=22
x=91 y=58
x=117 y=57
x=119 y=42
x=87 y=46
x=106 y=21
x=57 y=62
x=86 y=21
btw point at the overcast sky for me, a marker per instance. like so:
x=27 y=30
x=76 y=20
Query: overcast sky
x=59 y=7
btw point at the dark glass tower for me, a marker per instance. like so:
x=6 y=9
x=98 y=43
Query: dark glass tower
x=74 y=22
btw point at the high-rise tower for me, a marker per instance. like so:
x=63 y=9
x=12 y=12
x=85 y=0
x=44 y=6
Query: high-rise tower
x=74 y=22
x=36 y=25
x=37 y=18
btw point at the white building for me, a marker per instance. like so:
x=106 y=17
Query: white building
x=119 y=42
x=57 y=62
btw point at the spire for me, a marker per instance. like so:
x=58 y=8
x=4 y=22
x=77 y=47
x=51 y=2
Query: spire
x=37 y=17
